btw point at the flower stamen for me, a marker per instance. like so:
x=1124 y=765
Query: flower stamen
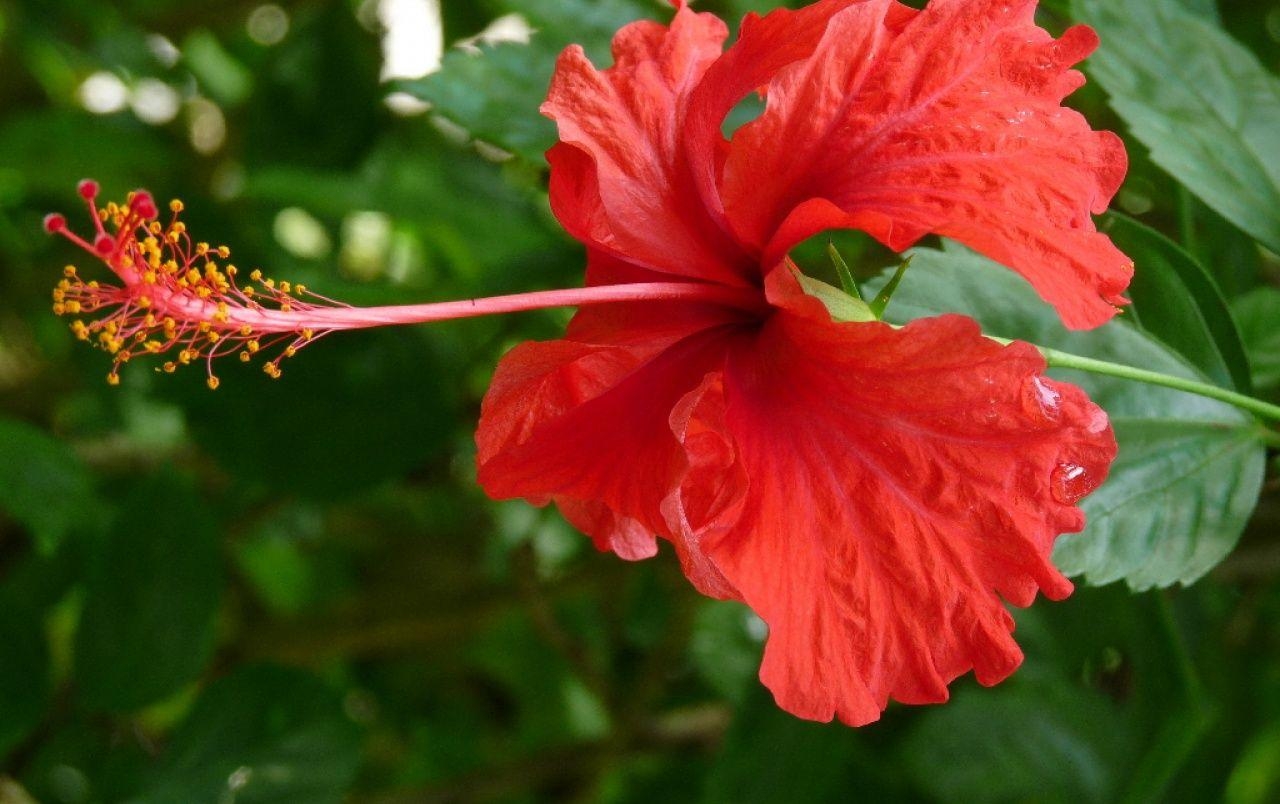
x=174 y=296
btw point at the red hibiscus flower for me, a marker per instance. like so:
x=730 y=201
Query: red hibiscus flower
x=873 y=493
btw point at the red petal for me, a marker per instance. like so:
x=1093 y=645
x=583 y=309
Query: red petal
x=619 y=180
x=901 y=482
x=587 y=423
x=947 y=121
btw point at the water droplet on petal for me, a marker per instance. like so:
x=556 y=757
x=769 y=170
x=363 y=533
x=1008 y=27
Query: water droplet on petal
x=1041 y=400
x=1069 y=483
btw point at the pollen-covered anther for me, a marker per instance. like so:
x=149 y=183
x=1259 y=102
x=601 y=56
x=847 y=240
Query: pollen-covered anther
x=171 y=295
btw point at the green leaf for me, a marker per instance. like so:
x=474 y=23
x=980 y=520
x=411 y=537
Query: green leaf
x=349 y=412
x=494 y=94
x=1258 y=313
x=1103 y=710
x=43 y=484
x=25 y=684
x=150 y=598
x=847 y=283
x=1176 y=300
x=772 y=756
x=263 y=734
x=1189 y=469
x=725 y=650
x=839 y=304
x=881 y=301
x=1203 y=104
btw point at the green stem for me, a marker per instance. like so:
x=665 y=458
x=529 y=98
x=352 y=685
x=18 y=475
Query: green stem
x=1058 y=359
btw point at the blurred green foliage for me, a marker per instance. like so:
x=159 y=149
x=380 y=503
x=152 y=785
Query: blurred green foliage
x=294 y=591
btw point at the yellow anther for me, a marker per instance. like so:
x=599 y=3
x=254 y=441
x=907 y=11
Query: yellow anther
x=246 y=330
x=186 y=356
x=253 y=347
x=72 y=307
x=231 y=269
x=144 y=302
x=204 y=326
x=149 y=320
x=59 y=308
x=202 y=249
x=285 y=287
x=123 y=357
x=113 y=379
x=149 y=277
x=213 y=337
x=69 y=271
x=59 y=294
x=178 y=227
x=155 y=228
x=308 y=334
x=212 y=382
x=152 y=346
x=248 y=292
x=192 y=275
x=204 y=292
x=269 y=283
x=286 y=307
x=255 y=275
x=172 y=237
x=290 y=351
x=113 y=208
x=245 y=357
x=175 y=205
x=224 y=252
x=93 y=284
x=171 y=266
x=272 y=370
x=170 y=367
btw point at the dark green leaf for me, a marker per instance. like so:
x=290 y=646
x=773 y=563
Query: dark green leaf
x=25 y=684
x=1026 y=742
x=725 y=650
x=1189 y=468
x=1101 y=709
x=263 y=734
x=43 y=484
x=1258 y=313
x=770 y=756
x=494 y=94
x=349 y=412
x=1177 y=301
x=151 y=594
x=1203 y=104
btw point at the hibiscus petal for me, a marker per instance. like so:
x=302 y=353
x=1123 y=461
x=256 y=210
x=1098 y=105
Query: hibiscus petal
x=619 y=178
x=586 y=424
x=901 y=482
x=949 y=121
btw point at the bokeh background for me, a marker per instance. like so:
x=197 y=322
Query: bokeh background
x=294 y=591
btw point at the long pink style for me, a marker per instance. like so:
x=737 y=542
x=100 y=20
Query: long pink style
x=180 y=298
